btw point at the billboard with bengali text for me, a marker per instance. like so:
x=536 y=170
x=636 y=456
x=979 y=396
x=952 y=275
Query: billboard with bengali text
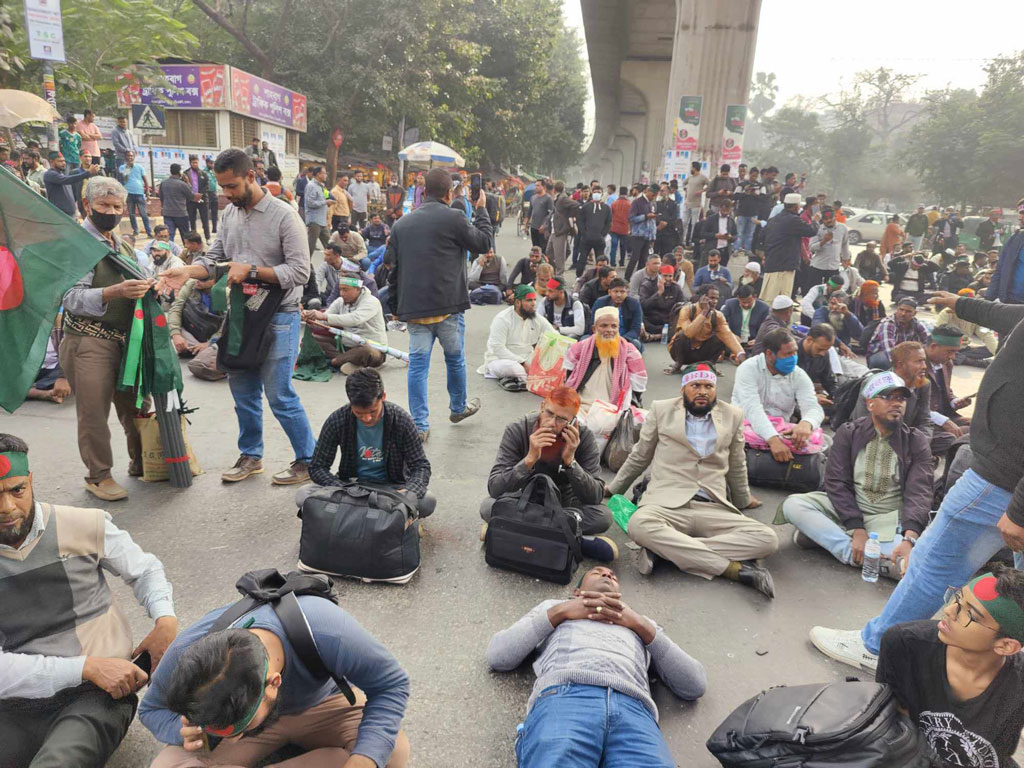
x=264 y=100
x=732 y=134
x=687 y=124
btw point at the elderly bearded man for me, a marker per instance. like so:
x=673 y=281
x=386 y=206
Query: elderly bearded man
x=694 y=446
x=605 y=366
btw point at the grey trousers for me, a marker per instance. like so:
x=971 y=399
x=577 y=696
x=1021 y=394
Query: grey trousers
x=597 y=518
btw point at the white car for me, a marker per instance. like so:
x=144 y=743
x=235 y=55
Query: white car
x=870 y=225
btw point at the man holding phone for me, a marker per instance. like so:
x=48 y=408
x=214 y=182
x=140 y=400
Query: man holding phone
x=554 y=443
x=67 y=687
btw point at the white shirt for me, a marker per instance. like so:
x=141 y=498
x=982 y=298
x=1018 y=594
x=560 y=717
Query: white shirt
x=723 y=229
x=761 y=394
x=513 y=337
x=35 y=676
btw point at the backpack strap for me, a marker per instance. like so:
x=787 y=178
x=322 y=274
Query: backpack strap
x=234 y=613
x=296 y=627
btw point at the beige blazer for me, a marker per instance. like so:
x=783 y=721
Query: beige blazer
x=677 y=470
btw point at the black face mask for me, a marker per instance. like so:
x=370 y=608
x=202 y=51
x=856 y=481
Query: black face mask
x=105 y=222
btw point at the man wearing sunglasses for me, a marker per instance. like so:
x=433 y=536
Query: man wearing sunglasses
x=554 y=443
x=878 y=479
x=245 y=692
x=961 y=679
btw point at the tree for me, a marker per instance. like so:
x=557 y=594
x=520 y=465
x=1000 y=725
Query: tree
x=100 y=46
x=942 y=149
x=763 y=90
x=874 y=101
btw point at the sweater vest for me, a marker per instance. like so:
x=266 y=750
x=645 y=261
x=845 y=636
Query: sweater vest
x=54 y=598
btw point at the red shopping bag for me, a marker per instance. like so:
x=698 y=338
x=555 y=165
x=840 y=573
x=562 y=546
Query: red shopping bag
x=545 y=370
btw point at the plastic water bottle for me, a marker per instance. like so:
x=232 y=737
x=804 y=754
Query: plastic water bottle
x=872 y=554
x=664 y=334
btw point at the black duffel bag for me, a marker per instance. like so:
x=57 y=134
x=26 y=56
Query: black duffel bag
x=533 y=534
x=804 y=473
x=847 y=725
x=360 y=531
x=199 y=321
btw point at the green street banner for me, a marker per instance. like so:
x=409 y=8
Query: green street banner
x=732 y=133
x=687 y=125
x=43 y=253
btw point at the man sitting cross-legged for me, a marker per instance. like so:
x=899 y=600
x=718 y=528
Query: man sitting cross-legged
x=694 y=446
x=631 y=313
x=701 y=333
x=248 y=687
x=591 y=705
x=554 y=443
x=878 y=479
x=961 y=679
x=67 y=687
x=355 y=310
x=378 y=443
x=514 y=333
x=603 y=366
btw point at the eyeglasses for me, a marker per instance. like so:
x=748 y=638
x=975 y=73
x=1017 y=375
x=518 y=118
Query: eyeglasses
x=894 y=397
x=559 y=420
x=956 y=595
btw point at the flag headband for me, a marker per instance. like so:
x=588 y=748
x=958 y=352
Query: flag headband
x=699 y=373
x=13 y=464
x=946 y=341
x=237 y=727
x=352 y=282
x=1007 y=613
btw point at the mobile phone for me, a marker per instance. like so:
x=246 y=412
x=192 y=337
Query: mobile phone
x=144 y=662
x=476 y=182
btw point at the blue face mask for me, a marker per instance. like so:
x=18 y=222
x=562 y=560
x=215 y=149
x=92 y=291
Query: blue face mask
x=785 y=365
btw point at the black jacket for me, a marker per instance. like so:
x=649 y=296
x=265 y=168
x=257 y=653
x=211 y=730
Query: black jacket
x=592 y=291
x=782 y=241
x=1002 y=280
x=594 y=220
x=998 y=420
x=657 y=307
x=707 y=236
x=925 y=274
x=428 y=250
x=404 y=460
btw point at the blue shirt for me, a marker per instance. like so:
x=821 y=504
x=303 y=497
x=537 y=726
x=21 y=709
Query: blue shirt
x=346 y=648
x=370 y=447
x=133 y=180
x=1017 y=283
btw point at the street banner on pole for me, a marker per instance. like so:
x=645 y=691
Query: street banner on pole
x=45 y=30
x=732 y=134
x=386 y=144
x=687 y=124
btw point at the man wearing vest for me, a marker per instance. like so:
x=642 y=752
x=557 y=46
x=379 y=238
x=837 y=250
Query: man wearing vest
x=566 y=314
x=97 y=318
x=67 y=687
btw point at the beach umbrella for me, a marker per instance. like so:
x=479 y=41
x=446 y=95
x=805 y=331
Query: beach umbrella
x=17 y=107
x=431 y=152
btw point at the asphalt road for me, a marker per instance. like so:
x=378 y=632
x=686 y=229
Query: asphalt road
x=460 y=714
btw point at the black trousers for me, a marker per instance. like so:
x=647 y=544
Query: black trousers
x=213 y=205
x=538 y=238
x=204 y=214
x=684 y=354
x=79 y=726
x=639 y=249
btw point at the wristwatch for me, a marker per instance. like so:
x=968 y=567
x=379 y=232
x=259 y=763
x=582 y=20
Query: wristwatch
x=254 y=273
x=913 y=541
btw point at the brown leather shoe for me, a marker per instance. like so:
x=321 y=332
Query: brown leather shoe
x=296 y=474
x=244 y=468
x=107 y=490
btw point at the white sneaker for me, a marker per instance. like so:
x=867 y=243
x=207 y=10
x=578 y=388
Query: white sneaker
x=844 y=645
x=644 y=561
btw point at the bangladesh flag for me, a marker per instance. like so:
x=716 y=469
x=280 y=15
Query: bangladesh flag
x=43 y=253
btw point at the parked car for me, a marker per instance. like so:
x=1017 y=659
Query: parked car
x=870 y=225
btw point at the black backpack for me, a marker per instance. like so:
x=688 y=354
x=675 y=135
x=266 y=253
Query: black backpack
x=268 y=587
x=847 y=395
x=851 y=724
x=533 y=533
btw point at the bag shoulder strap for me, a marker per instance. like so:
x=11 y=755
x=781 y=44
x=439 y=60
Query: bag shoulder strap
x=296 y=627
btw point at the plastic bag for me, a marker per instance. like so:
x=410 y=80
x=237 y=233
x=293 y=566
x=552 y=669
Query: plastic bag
x=544 y=372
x=622 y=509
x=621 y=441
x=601 y=420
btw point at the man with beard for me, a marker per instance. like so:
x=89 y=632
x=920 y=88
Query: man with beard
x=902 y=326
x=701 y=333
x=878 y=479
x=247 y=687
x=829 y=248
x=690 y=512
x=514 y=333
x=867 y=307
x=837 y=314
x=813 y=358
x=869 y=263
x=67 y=687
x=566 y=314
x=752 y=276
x=943 y=344
x=594 y=655
x=261 y=241
x=605 y=366
x=98 y=312
x=910 y=363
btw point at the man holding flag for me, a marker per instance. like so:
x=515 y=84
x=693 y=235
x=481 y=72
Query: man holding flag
x=98 y=314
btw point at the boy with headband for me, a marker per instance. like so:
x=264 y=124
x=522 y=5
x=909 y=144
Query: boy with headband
x=960 y=679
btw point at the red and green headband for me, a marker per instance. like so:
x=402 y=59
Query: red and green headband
x=237 y=727
x=1007 y=613
x=13 y=464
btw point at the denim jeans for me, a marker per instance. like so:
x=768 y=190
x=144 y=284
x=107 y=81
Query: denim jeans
x=451 y=332
x=275 y=377
x=879 y=360
x=138 y=202
x=961 y=539
x=803 y=511
x=586 y=726
x=691 y=217
x=916 y=241
x=373 y=258
x=619 y=243
x=745 y=231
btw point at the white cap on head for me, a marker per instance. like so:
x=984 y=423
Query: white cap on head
x=792 y=198
x=606 y=312
x=883 y=382
x=782 y=301
x=753 y=266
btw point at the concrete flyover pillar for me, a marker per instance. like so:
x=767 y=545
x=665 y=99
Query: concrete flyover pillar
x=713 y=57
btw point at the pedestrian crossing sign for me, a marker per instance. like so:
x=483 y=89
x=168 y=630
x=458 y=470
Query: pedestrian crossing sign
x=148 y=119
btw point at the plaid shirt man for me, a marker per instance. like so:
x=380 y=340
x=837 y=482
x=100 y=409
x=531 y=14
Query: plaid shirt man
x=889 y=333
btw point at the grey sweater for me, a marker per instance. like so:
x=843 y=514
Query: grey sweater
x=592 y=653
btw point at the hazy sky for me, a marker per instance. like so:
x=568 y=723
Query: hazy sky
x=812 y=48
